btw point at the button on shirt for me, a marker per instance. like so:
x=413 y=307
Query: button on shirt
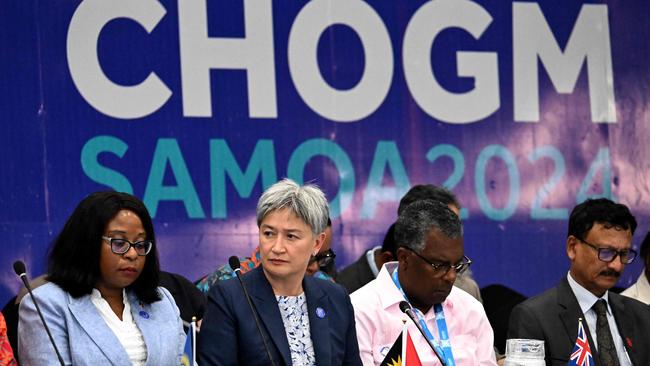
x=586 y=300
x=379 y=323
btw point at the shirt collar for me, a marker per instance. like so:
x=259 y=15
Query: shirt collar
x=585 y=298
x=644 y=285
x=96 y=298
x=389 y=294
x=370 y=257
x=392 y=296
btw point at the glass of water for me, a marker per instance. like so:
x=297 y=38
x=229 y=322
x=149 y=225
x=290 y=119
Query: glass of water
x=524 y=352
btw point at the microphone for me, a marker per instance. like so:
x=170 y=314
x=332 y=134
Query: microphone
x=21 y=271
x=406 y=308
x=235 y=265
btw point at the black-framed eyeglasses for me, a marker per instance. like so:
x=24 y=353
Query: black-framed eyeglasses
x=121 y=246
x=608 y=255
x=441 y=269
x=323 y=259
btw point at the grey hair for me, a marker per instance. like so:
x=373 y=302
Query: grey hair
x=418 y=218
x=307 y=202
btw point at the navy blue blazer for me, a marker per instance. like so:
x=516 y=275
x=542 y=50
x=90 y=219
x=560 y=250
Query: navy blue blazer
x=229 y=335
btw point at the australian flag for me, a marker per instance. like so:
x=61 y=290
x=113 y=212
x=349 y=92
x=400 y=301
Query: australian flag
x=581 y=355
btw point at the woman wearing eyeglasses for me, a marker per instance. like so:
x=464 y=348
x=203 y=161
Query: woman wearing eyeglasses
x=102 y=303
x=304 y=321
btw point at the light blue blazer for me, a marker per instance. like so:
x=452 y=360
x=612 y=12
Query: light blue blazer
x=84 y=338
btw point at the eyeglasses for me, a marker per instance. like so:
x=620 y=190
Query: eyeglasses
x=441 y=269
x=121 y=246
x=323 y=259
x=627 y=256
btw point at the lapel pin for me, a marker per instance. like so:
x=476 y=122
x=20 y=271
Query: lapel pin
x=144 y=314
x=629 y=342
x=320 y=312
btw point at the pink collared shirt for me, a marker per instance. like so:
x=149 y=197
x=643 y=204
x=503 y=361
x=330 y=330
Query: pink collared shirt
x=379 y=323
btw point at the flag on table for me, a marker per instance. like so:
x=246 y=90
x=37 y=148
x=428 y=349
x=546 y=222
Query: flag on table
x=189 y=353
x=581 y=355
x=403 y=352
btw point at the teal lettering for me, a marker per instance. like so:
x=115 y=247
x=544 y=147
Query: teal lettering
x=223 y=162
x=322 y=147
x=386 y=156
x=168 y=151
x=600 y=164
x=101 y=174
x=489 y=152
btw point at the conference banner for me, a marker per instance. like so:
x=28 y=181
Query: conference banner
x=521 y=108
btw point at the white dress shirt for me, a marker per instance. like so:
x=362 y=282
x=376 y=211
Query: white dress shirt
x=586 y=300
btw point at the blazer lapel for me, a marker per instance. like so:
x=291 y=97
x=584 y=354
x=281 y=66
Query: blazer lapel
x=625 y=326
x=264 y=301
x=318 y=321
x=94 y=325
x=570 y=314
x=570 y=311
x=143 y=317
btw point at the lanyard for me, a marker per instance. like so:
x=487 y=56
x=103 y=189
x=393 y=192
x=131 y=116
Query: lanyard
x=444 y=346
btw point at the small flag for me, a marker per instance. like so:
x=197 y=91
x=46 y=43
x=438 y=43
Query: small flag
x=409 y=353
x=581 y=355
x=189 y=353
x=403 y=352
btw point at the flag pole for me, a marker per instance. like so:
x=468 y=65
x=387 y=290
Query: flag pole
x=404 y=335
x=193 y=330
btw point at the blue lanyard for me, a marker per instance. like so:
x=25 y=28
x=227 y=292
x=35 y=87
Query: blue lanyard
x=444 y=347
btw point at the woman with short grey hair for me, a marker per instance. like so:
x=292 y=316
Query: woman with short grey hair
x=304 y=320
x=307 y=202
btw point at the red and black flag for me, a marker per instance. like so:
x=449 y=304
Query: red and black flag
x=403 y=352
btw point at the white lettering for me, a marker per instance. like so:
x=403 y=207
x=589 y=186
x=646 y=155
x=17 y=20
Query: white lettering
x=200 y=54
x=368 y=94
x=459 y=108
x=97 y=89
x=589 y=41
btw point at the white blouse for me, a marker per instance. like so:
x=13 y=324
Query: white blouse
x=125 y=330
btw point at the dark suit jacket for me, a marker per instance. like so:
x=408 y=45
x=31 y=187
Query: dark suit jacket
x=553 y=317
x=356 y=275
x=229 y=335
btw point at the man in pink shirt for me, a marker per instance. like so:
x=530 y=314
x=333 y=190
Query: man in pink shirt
x=430 y=255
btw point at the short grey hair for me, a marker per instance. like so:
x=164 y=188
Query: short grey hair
x=307 y=202
x=418 y=218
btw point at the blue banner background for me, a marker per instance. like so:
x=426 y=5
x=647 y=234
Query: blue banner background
x=57 y=148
